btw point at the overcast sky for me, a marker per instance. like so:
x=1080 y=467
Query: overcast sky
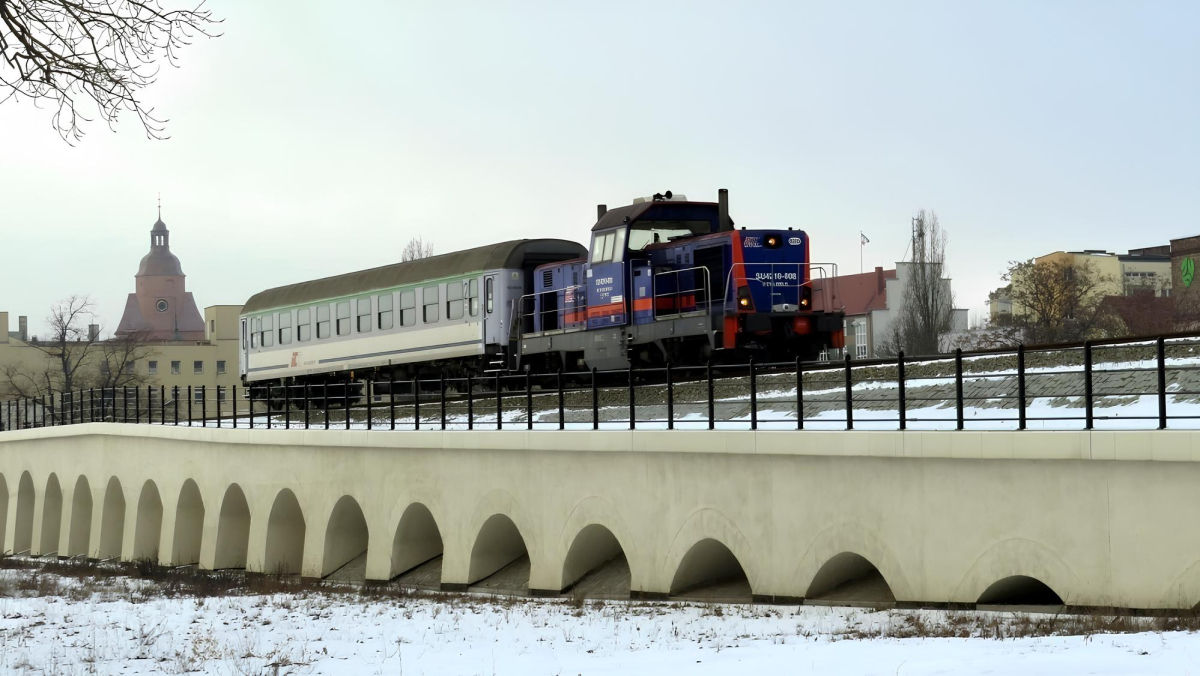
x=313 y=139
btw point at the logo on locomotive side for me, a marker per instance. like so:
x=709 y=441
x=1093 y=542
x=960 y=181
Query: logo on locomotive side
x=794 y=241
x=751 y=242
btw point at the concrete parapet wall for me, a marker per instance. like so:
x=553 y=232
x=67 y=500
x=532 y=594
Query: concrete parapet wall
x=1102 y=518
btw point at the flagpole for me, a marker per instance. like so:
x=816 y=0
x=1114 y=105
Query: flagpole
x=860 y=252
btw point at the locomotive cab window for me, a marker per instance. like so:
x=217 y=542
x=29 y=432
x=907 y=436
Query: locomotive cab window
x=364 y=315
x=385 y=312
x=285 y=328
x=454 y=300
x=322 y=322
x=644 y=233
x=608 y=247
x=429 y=308
x=343 y=318
x=408 y=308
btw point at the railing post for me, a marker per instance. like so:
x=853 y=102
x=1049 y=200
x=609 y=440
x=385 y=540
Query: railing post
x=711 y=413
x=233 y=399
x=958 y=388
x=849 y=395
x=442 y=389
x=189 y=395
x=92 y=403
x=799 y=394
x=753 y=396
x=71 y=410
x=103 y=406
x=528 y=400
x=901 y=403
x=470 y=402
x=124 y=407
x=287 y=406
x=632 y=402
x=43 y=400
x=1162 y=383
x=595 y=401
x=307 y=403
x=137 y=405
x=51 y=411
x=369 y=394
x=149 y=404
x=175 y=403
x=325 y=401
x=268 y=411
x=391 y=401
x=1021 y=422
x=416 y=388
x=562 y=409
x=1089 y=411
x=250 y=403
x=204 y=405
x=499 y=403
x=345 y=402
x=670 y=399
x=218 y=402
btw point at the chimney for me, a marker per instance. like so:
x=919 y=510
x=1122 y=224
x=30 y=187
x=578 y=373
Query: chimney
x=23 y=328
x=601 y=209
x=3 y=327
x=879 y=281
x=93 y=332
x=723 y=222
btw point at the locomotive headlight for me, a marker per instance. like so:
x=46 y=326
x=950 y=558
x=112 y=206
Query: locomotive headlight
x=803 y=302
x=744 y=302
x=772 y=241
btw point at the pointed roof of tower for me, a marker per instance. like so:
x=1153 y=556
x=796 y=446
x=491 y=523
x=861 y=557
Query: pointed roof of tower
x=160 y=261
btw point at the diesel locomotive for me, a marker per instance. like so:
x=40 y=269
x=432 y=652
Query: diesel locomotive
x=664 y=280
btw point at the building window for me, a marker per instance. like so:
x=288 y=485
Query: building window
x=343 y=318
x=174 y=368
x=104 y=368
x=285 y=328
x=429 y=298
x=455 y=305
x=153 y=368
x=212 y=327
x=198 y=395
x=197 y=367
x=322 y=322
x=129 y=368
x=303 y=325
x=385 y=312
x=473 y=295
x=220 y=367
x=408 y=308
x=860 y=339
x=364 y=315
x=221 y=391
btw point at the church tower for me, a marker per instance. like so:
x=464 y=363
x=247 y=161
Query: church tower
x=160 y=307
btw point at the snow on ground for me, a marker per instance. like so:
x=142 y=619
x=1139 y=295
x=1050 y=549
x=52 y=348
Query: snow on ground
x=119 y=625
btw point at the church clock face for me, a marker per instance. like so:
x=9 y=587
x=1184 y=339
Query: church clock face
x=161 y=305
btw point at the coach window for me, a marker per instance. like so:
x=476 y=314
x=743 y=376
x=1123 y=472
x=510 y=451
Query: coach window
x=473 y=294
x=322 y=322
x=385 y=312
x=454 y=300
x=488 y=299
x=408 y=308
x=364 y=315
x=255 y=328
x=285 y=328
x=304 y=325
x=343 y=318
x=267 y=334
x=429 y=307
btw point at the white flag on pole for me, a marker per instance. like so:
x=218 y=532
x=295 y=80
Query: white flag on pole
x=864 y=238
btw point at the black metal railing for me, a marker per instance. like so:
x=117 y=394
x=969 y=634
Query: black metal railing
x=1113 y=384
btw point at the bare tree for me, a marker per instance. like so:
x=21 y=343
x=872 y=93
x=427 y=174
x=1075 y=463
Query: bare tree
x=1060 y=300
x=926 y=309
x=416 y=248
x=117 y=358
x=65 y=352
x=85 y=53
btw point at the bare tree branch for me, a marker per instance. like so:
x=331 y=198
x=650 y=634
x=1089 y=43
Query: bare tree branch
x=416 y=249
x=68 y=52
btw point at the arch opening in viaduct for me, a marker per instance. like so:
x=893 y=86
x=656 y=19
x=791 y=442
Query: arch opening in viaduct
x=417 y=544
x=284 y=552
x=148 y=532
x=499 y=557
x=233 y=530
x=711 y=571
x=23 y=529
x=112 y=521
x=849 y=578
x=346 y=542
x=80 y=536
x=1019 y=590
x=189 y=525
x=596 y=565
x=51 y=516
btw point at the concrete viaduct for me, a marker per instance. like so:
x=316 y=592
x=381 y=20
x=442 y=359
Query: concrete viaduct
x=1098 y=518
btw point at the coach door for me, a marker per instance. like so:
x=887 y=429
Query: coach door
x=493 y=323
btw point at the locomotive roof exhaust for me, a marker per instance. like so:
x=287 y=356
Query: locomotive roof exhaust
x=724 y=224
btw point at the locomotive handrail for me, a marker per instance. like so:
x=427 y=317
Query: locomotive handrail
x=580 y=305
x=707 y=289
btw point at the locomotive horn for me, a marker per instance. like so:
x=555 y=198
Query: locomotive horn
x=723 y=222
x=601 y=209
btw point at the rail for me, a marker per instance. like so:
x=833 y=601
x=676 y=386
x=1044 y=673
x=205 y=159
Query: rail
x=1112 y=384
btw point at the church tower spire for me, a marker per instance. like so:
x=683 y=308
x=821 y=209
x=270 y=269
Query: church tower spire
x=161 y=307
